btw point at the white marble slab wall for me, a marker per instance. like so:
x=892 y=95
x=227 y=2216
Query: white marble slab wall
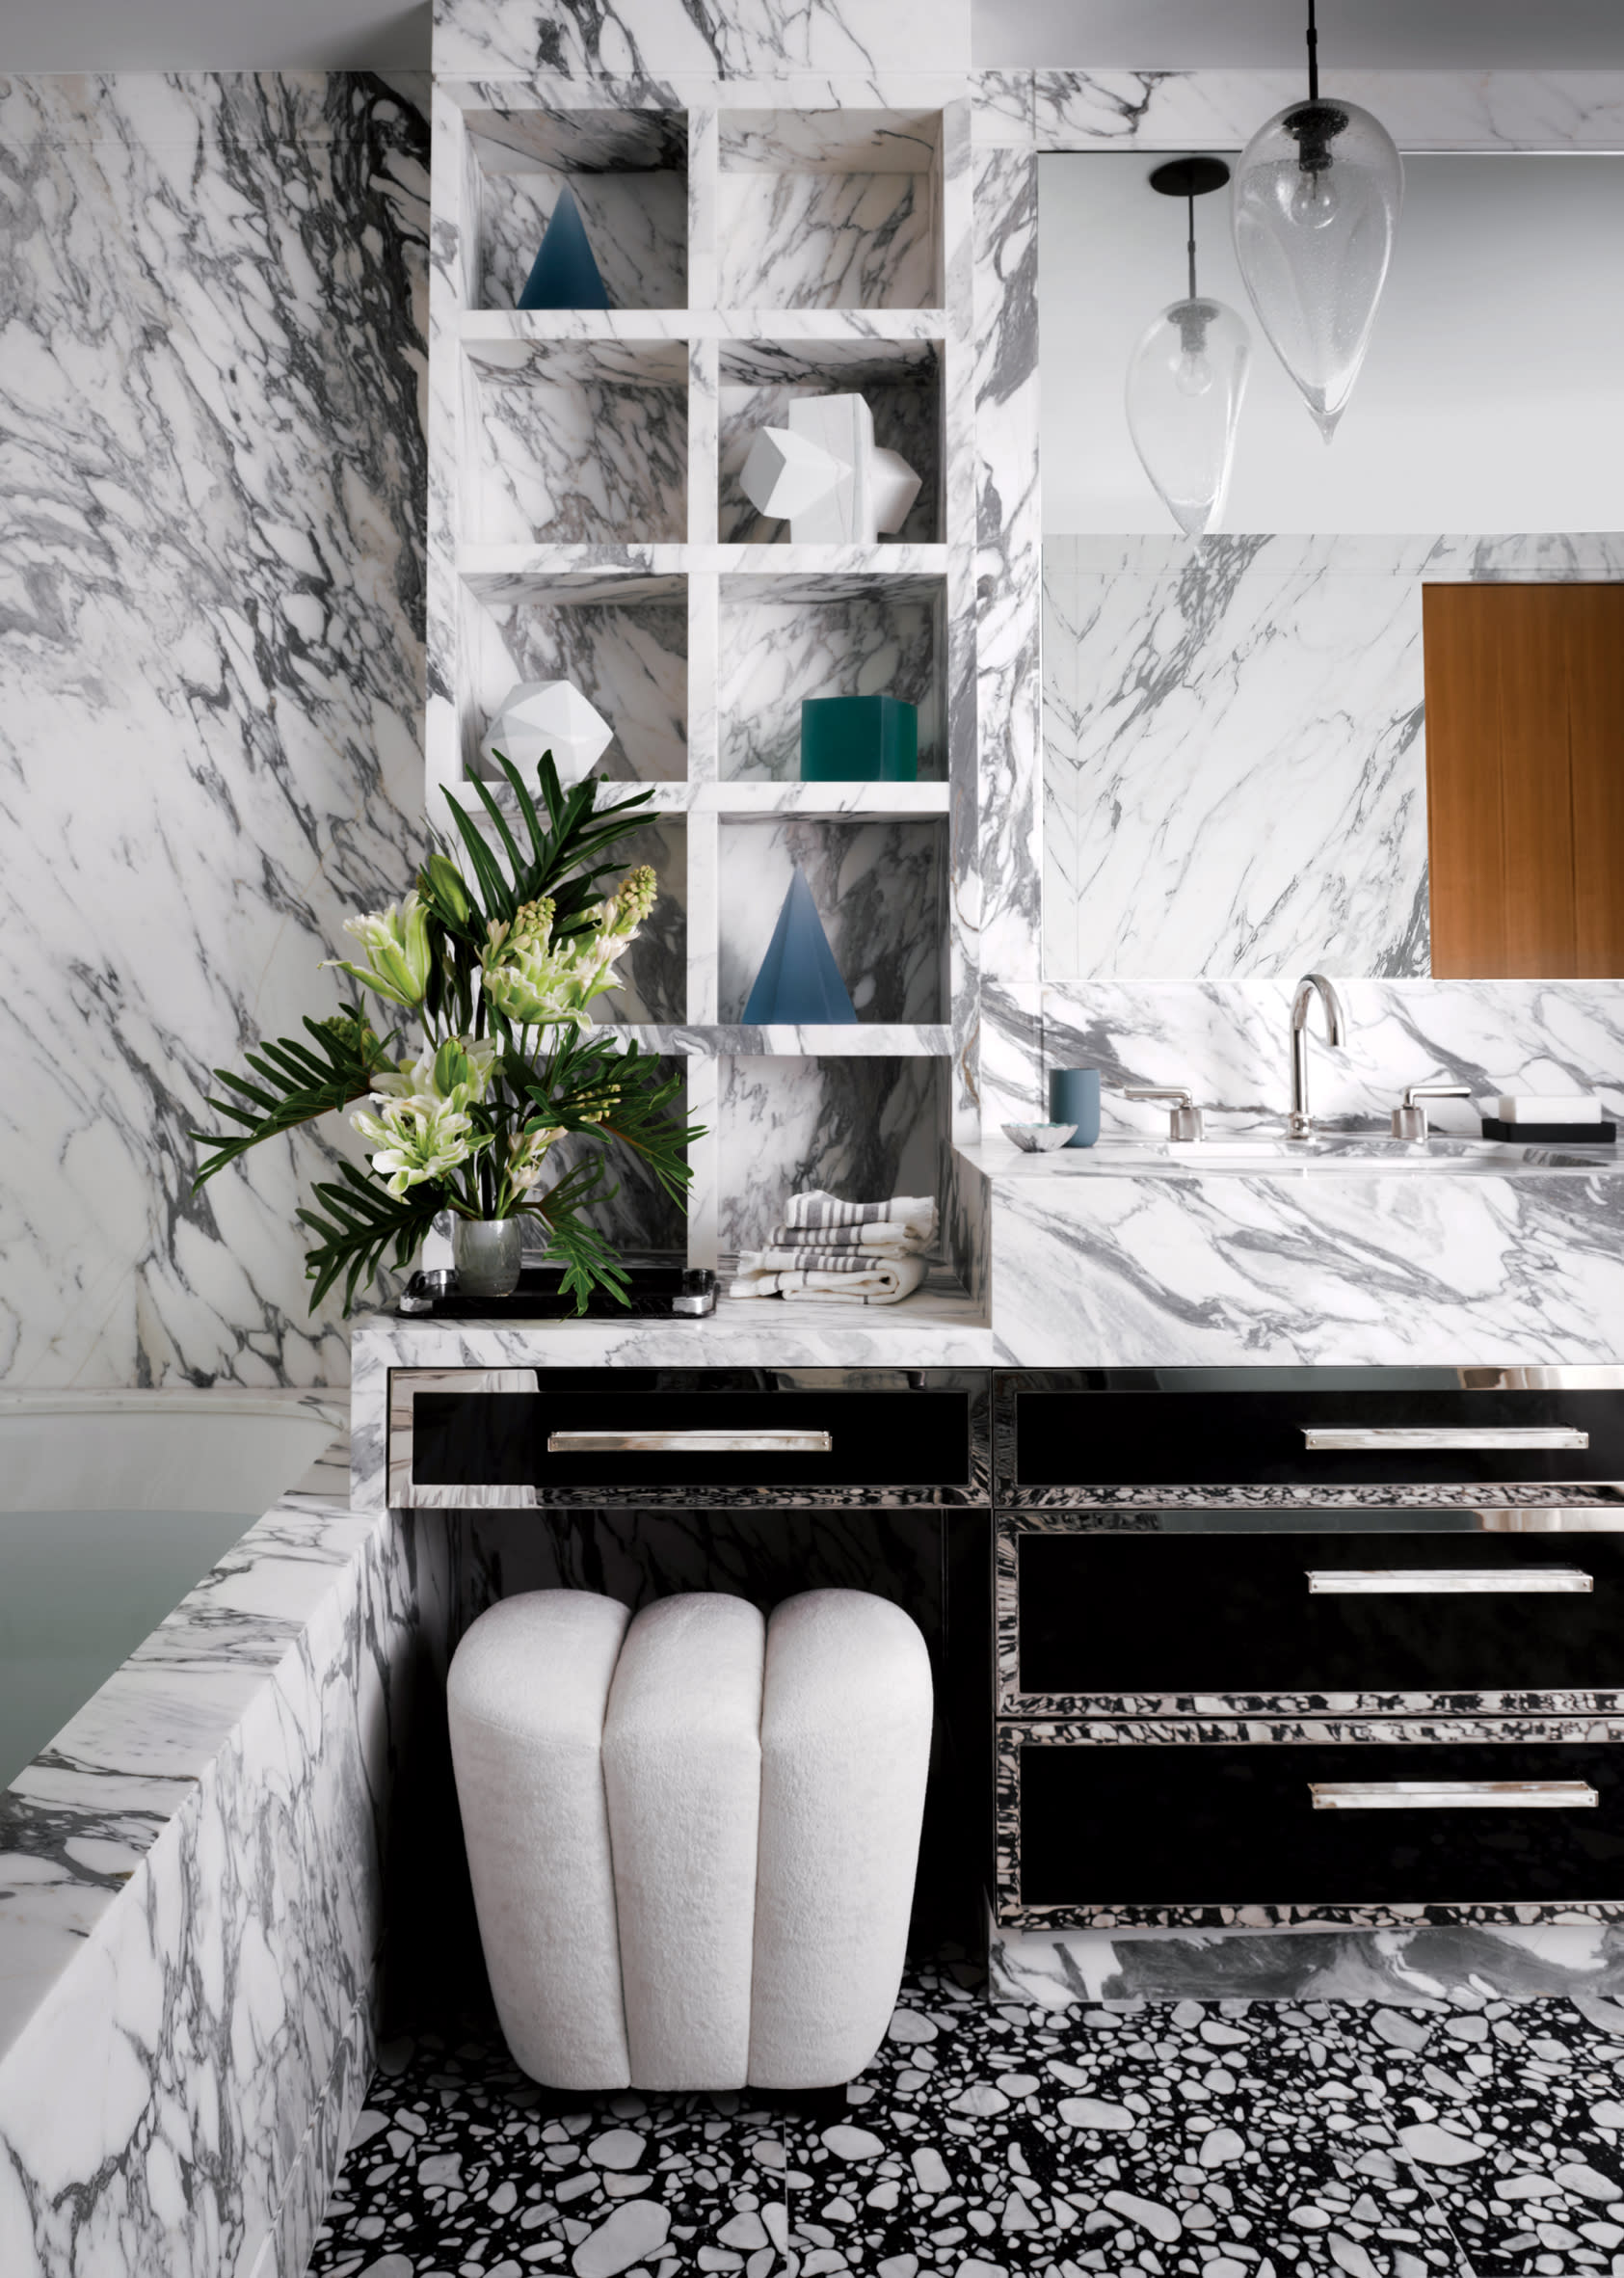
x=1227 y=1042
x=1235 y=774
x=705 y=39
x=210 y=641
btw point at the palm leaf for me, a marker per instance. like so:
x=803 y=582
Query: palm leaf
x=295 y=1085
x=362 y=1220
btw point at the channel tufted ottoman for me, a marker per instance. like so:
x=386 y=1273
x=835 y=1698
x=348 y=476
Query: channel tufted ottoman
x=692 y=1836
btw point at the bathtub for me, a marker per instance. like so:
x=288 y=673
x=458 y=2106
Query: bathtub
x=193 y=1868
x=113 y=1506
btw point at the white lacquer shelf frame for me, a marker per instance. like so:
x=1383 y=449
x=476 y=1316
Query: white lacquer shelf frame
x=586 y=523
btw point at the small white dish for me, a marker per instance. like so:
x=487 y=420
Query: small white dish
x=1037 y=1139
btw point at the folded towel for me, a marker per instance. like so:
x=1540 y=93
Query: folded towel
x=885 y=1284
x=890 y=1234
x=1524 y=1107
x=806 y=1256
x=817 y=1208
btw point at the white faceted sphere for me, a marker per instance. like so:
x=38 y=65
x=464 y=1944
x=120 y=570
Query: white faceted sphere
x=548 y=715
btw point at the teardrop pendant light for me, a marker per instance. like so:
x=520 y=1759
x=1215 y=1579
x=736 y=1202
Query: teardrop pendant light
x=1186 y=377
x=1316 y=205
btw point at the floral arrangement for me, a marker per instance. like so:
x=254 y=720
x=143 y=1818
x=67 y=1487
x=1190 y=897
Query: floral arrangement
x=496 y=963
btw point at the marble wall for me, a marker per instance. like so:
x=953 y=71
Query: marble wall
x=1233 y=747
x=211 y=492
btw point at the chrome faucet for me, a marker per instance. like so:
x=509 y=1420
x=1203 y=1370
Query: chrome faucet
x=1299 y=1124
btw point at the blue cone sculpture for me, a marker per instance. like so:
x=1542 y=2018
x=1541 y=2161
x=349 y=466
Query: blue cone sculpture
x=565 y=275
x=799 y=980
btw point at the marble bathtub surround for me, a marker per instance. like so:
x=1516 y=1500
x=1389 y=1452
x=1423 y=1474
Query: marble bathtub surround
x=190 y=1909
x=213 y=505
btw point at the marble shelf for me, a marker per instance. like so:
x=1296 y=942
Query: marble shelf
x=849 y=1040
x=792 y=330
x=495 y=567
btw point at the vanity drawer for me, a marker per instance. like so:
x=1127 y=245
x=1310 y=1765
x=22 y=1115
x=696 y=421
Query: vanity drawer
x=688 y=1436
x=1166 y=1622
x=1276 y=1829
x=1059 y=1437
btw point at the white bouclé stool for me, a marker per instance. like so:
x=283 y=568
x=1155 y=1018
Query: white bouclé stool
x=718 y=1814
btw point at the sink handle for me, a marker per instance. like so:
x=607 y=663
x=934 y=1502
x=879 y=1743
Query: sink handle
x=1184 y=1118
x=1409 y=1123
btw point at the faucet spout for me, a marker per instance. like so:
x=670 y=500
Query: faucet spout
x=1299 y=1124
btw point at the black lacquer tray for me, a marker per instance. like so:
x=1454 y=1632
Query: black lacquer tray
x=655 y=1292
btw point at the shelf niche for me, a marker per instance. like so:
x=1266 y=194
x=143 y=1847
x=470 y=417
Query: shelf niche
x=902 y=383
x=623 y=641
x=629 y=170
x=880 y=891
x=831 y=209
x=785 y=639
x=861 y=1128
x=576 y=442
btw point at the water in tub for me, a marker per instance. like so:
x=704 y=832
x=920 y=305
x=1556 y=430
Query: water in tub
x=124 y=1512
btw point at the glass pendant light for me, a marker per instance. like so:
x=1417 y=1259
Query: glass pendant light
x=1316 y=205
x=1186 y=377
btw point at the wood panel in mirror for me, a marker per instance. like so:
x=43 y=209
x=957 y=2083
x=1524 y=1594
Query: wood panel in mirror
x=1525 y=779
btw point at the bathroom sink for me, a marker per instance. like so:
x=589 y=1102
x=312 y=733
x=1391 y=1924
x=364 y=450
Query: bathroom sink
x=1353 y=1153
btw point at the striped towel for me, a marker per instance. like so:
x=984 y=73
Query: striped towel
x=802 y=1257
x=885 y=1284
x=815 y=1208
x=887 y=1234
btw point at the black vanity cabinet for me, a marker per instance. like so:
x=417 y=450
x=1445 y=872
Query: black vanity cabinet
x=1308 y=1645
x=760 y=1482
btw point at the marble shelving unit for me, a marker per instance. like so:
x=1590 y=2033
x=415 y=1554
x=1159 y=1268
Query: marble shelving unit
x=586 y=523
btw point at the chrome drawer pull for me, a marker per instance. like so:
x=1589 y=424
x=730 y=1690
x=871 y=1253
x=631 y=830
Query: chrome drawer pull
x=1444 y=1581
x=696 y=1442
x=1349 y=1438
x=1426 y=1795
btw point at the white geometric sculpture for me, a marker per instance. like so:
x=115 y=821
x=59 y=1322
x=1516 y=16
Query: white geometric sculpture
x=823 y=474
x=548 y=715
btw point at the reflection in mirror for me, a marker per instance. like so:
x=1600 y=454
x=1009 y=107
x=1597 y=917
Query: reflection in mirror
x=1236 y=768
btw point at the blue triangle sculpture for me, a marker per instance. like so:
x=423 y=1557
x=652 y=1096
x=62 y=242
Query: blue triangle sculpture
x=799 y=980
x=565 y=275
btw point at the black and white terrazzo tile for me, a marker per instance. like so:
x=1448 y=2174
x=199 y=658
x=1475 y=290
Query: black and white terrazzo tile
x=1513 y=2115
x=1472 y=2137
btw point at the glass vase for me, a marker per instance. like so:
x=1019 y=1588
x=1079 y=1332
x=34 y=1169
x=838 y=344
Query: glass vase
x=487 y=1253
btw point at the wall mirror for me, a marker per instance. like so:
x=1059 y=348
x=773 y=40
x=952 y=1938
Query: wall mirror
x=1376 y=722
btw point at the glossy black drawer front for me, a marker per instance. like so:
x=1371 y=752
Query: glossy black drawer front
x=1056 y=1439
x=1171 y=1616
x=1236 y=1826
x=698 y=1437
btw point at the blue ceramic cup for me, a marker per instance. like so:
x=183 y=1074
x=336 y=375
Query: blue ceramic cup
x=1074 y=1097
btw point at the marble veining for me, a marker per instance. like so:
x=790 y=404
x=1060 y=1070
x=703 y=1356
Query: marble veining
x=210 y=638
x=855 y=1127
x=636 y=224
x=1234 y=772
x=191 y=1910
x=739 y=39
x=827 y=240
x=578 y=442
x=627 y=651
x=882 y=639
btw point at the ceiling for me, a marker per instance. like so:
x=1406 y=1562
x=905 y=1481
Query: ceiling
x=338 y=35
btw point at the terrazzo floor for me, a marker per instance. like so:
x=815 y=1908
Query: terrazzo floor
x=1473 y=2135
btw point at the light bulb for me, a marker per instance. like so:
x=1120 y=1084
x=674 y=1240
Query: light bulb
x=1192 y=375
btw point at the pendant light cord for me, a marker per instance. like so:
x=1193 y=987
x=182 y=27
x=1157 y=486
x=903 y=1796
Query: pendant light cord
x=1312 y=57
x=1191 y=245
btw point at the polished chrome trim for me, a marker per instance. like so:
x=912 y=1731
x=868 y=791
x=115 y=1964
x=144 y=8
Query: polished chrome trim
x=1444 y=1581
x=695 y=1442
x=405 y=1384
x=1426 y=1795
x=1443 y=1438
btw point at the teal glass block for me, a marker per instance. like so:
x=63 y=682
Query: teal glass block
x=565 y=275
x=799 y=980
x=858 y=739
